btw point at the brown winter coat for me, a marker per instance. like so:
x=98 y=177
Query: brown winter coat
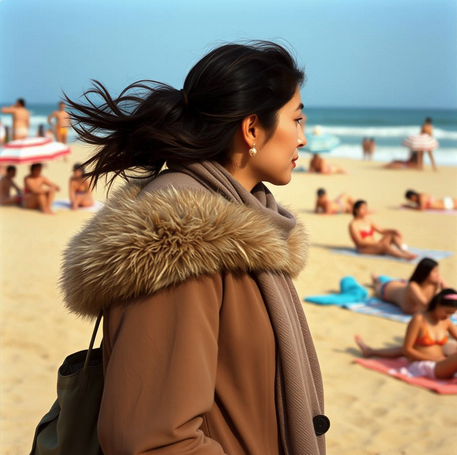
x=189 y=350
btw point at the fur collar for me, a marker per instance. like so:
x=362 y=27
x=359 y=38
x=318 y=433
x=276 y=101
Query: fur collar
x=141 y=245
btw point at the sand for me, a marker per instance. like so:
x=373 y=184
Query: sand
x=370 y=413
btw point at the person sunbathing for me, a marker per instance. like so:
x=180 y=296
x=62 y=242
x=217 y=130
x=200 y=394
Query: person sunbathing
x=411 y=296
x=320 y=166
x=410 y=163
x=79 y=191
x=424 y=201
x=39 y=191
x=362 y=231
x=6 y=184
x=425 y=340
x=342 y=204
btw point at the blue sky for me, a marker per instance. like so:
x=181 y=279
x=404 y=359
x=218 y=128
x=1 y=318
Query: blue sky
x=356 y=53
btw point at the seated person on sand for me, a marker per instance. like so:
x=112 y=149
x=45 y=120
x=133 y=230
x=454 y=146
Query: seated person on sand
x=411 y=296
x=6 y=183
x=425 y=340
x=38 y=190
x=410 y=163
x=362 y=230
x=320 y=166
x=79 y=191
x=424 y=201
x=342 y=204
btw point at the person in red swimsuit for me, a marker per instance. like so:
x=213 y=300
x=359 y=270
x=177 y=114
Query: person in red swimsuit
x=426 y=339
x=362 y=230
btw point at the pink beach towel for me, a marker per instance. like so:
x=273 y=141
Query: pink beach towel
x=392 y=367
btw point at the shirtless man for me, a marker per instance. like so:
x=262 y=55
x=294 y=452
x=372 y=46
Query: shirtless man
x=61 y=124
x=21 y=119
x=39 y=190
x=342 y=204
x=6 y=183
x=427 y=128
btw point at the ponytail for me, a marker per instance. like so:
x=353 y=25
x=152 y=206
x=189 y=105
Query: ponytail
x=151 y=123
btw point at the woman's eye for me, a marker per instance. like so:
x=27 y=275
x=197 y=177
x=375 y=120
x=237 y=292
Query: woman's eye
x=299 y=120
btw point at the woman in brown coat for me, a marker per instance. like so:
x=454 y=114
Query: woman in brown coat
x=206 y=346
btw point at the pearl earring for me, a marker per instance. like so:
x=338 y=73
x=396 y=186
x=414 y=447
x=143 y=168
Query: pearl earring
x=253 y=150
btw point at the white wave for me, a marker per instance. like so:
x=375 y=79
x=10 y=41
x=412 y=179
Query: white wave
x=387 y=131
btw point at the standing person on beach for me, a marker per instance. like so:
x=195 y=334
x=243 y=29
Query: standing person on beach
x=6 y=184
x=206 y=345
x=39 y=191
x=427 y=128
x=21 y=119
x=61 y=124
x=362 y=231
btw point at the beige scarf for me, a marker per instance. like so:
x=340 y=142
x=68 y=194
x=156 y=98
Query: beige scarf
x=299 y=391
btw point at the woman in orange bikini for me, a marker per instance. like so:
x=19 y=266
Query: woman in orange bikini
x=424 y=201
x=362 y=230
x=426 y=335
x=80 y=192
x=411 y=296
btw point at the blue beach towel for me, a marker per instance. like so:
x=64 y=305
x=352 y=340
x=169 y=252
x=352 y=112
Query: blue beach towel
x=433 y=254
x=351 y=292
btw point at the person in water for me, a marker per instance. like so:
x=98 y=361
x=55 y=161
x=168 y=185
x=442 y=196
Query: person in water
x=362 y=231
x=414 y=295
x=79 y=189
x=342 y=204
x=424 y=201
x=426 y=336
x=320 y=166
x=39 y=191
x=206 y=348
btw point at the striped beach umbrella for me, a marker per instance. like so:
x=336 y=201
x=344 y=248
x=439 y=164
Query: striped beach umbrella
x=420 y=142
x=319 y=142
x=32 y=150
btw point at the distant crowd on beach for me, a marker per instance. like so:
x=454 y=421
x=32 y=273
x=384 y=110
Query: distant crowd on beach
x=39 y=191
x=59 y=123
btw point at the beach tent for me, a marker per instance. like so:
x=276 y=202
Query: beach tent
x=32 y=150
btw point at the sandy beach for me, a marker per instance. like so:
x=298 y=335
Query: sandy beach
x=370 y=413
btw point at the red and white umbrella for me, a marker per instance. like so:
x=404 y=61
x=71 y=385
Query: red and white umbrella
x=420 y=142
x=32 y=150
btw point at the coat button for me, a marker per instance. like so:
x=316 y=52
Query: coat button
x=321 y=424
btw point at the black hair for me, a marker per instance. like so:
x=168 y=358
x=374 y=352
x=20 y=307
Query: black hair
x=151 y=123
x=79 y=166
x=410 y=193
x=35 y=166
x=428 y=120
x=321 y=192
x=423 y=270
x=356 y=206
x=440 y=299
x=10 y=168
x=21 y=101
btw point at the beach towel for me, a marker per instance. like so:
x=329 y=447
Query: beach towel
x=350 y=292
x=442 y=212
x=64 y=204
x=397 y=369
x=421 y=254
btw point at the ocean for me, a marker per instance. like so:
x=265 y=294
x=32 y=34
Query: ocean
x=387 y=126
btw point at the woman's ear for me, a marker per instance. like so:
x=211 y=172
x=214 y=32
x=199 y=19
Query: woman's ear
x=250 y=130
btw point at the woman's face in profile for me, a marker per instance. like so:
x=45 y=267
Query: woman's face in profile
x=276 y=159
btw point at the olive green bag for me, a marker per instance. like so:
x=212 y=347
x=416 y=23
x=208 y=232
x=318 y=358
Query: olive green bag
x=70 y=426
